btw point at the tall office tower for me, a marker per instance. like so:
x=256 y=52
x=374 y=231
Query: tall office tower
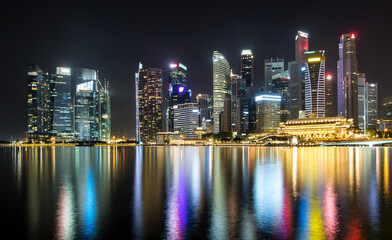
x=372 y=99
x=247 y=67
x=281 y=86
x=249 y=110
x=178 y=91
x=238 y=86
x=387 y=108
x=297 y=87
x=178 y=74
x=272 y=67
x=314 y=72
x=268 y=113
x=347 y=68
x=204 y=101
x=362 y=102
x=63 y=106
x=225 y=116
x=148 y=103
x=221 y=85
x=186 y=119
x=329 y=103
x=38 y=104
x=87 y=105
x=105 y=112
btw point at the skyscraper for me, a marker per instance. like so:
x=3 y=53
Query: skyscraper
x=221 y=86
x=272 y=67
x=186 y=119
x=87 y=105
x=178 y=91
x=280 y=86
x=362 y=102
x=387 y=108
x=347 y=68
x=247 y=67
x=225 y=116
x=148 y=103
x=105 y=112
x=367 y=103
x=39 y=104
x=296 y=78
x=205 y=105
x=268 y=113
x=372 y=100
x=63 y=106
x=238 y=87
x=314 y=72
x=329 y=102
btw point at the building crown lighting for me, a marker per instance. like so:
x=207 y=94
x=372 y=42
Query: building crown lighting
x=246 y=52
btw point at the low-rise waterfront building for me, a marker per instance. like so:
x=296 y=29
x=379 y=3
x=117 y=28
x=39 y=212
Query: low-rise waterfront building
x=318 y=128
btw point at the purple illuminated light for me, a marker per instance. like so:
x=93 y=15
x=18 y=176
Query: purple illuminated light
x=181 y=89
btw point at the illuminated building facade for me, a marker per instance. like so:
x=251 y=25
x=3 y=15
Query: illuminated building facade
x=70 y=105
x=329 y=102
x=318 y=128
x=281 y=86
x=105 y=112
x=87 y=105
x=225 y=116
x=372 y=100
x=221 y=86
x=362 y=102
x=63 y=106
x=314 y=72
x=296 y=78
x=205 y=105
x=186 y=119
x=39 y=104
x=268 y=113
x=367 y=103
x=238 y=87
x=347 y=85
x=272 y=67
x=387 y=108
x=148 y=103
x=247 y=67
x=178 y=91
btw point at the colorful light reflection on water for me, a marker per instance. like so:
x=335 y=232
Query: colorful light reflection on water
x=197 y=192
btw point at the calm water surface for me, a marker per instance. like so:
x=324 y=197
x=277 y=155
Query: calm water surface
x=196 y=192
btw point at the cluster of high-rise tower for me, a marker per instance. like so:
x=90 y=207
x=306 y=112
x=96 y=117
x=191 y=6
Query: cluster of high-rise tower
x=66 y=106
x=304 y=90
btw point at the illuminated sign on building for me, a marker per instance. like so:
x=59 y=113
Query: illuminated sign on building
x=268 y=98
x=314 y=59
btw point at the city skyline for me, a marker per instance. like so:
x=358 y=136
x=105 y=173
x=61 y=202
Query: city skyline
x=119 y=67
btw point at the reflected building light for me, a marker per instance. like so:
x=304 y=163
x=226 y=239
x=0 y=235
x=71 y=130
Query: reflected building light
x=219 y=222
x=358 y=167
x=196 y=179
x=137 y=210
x=89 y=207
x=65 y=221
x=330 y=208
x=268 y=195
x=386 y=174
x=295 y=169
x=286 y=227
x=177 y=203
x=351 y=170
x=316 y=221
x=373 y=200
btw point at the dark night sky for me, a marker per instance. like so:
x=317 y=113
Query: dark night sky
x=114 y=37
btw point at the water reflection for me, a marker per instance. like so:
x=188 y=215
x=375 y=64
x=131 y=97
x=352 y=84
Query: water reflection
x=198 y=192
